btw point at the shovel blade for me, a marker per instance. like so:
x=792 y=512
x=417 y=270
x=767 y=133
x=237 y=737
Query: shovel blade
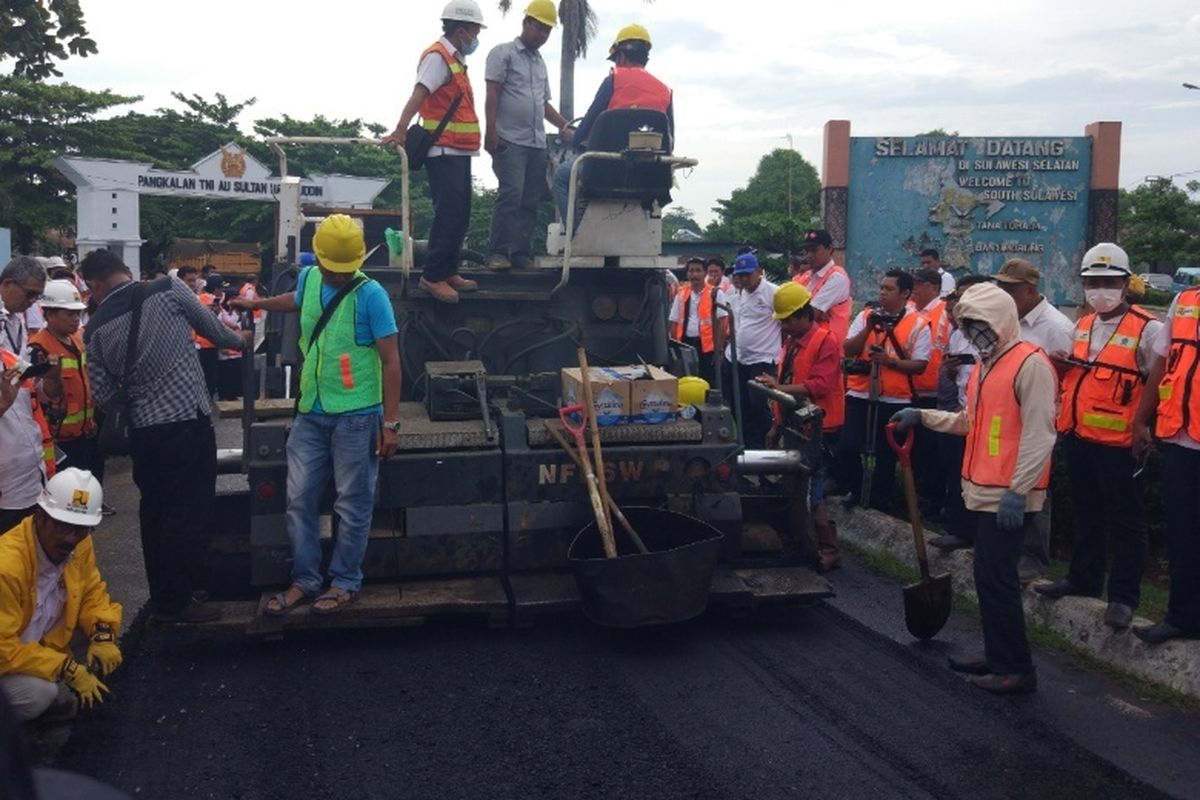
x=927 y=606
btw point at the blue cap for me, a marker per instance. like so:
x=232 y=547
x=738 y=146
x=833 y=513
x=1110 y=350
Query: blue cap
x=307 y=259
x=745 y=264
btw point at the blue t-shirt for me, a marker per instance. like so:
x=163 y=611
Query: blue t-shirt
x=373 y=317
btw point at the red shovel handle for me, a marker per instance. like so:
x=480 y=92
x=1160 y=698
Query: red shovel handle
x=902 y=450
x=576 y=430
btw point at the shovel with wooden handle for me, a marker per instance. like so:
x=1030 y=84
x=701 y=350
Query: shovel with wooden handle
x=926 y=602
x=602 y=521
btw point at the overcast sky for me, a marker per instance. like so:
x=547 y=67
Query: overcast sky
x=744 y=75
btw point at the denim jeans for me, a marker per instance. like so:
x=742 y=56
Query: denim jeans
x=562 y=190
x=522 y=175
x=343 y=446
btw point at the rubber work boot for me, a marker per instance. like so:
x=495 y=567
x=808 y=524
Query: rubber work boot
x=1163 y=632
x=439 y=290
x=976 y=665
x=1060 y=588
x=827 y=541
x=1007 y=684
x=462 y=284
x=1118 y=616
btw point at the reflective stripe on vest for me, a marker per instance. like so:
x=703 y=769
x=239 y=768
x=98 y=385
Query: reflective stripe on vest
x=892 y=382
x=994 y=411
x=462 y=131
x=939 y=331
x=833 y=404
x=77 y=404
x=343 y=374
x=1178 y=402
x=207 y=301
x=634 y=87
x=838 y=316
x=704 y=310
x=1097 y=403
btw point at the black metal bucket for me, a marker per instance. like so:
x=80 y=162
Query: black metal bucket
x=668 y=584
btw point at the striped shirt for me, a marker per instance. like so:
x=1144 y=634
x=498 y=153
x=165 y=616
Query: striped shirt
x=167 y=384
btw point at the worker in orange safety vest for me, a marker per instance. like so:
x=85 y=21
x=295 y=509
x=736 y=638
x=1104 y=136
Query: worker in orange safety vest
x=809 y=368
x=444 y=97
x=1009 y=428
x=1102 y=387
x=71 y=417
x=693 y=313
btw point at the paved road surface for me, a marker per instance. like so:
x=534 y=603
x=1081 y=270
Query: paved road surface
x=831 y=701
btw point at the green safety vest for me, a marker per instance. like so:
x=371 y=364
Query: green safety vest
x=345 y=375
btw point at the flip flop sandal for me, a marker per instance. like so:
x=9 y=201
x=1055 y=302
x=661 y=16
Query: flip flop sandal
x=283 y=606
x=341 y=598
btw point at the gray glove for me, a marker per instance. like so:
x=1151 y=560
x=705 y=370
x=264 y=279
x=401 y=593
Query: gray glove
x=1011 y=514
x=906 y=418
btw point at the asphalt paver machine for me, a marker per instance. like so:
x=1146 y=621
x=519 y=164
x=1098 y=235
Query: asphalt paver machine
x=476 y=511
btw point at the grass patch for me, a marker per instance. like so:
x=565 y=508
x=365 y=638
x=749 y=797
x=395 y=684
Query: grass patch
x=889 y=566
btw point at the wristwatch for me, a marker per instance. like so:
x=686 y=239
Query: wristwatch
x=394 y=427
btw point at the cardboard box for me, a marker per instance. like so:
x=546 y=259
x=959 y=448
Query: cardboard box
x=622 y=395
x=654 y=398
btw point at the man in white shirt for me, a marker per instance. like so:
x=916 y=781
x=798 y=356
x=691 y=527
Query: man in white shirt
x=757 y=336
x=1041 y=323
x=828 y=283
x=691 y=316
x=930 y=259
x=1045 y=326
x=21 y=284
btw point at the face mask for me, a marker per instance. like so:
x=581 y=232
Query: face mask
x=982 y=338
x=470 y=47
x=1103 y=300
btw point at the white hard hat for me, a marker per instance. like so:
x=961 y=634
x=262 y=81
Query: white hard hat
x=73 y=496
x=54 y=261
x=62 y=294
x=463 y=11
x=1104 y=259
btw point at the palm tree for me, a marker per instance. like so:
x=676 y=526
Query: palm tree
x=579 y=26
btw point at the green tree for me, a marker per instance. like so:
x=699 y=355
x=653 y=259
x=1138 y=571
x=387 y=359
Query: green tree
x=1159 y=223
x=34 y=33
x=39 y=122
x=679 y=219
x=758 y=212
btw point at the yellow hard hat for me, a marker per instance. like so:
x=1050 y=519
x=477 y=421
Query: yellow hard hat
x=339 y=244
x=692 y=390
x=631 y=33
x=1135 y=292
x=543 y=11
x=790 y=298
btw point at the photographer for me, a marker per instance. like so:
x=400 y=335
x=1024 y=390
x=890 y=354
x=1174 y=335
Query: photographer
x=888 y=346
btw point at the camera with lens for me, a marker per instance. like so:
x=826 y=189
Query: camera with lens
x=877 y=317
x=856 y=366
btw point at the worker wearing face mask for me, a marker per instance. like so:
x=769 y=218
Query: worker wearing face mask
x=444 y=98
x=1101 y=389
x=1005 y=473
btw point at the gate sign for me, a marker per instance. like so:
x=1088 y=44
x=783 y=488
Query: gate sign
x=107 y=192
x=979 y=201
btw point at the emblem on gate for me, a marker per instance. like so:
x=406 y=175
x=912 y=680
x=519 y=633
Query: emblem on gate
x=233 y=163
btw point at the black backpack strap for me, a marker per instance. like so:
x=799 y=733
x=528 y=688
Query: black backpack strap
x=135 y=324
x=327 y=313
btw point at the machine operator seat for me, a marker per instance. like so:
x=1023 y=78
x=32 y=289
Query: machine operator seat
x=627 y=179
